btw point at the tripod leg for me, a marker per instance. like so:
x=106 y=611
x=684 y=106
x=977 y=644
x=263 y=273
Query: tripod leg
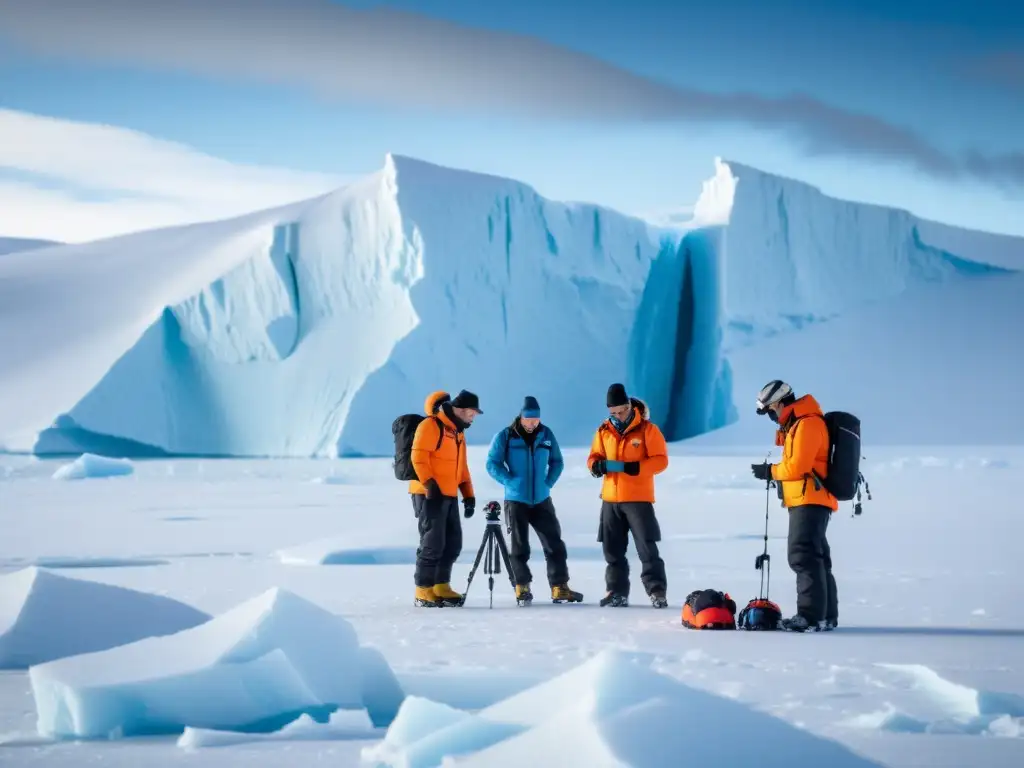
x=476 y=563
x=508 y=561
x=492 y=564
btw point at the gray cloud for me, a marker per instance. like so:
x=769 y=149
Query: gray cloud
x=1005 y=69
x=387 y=57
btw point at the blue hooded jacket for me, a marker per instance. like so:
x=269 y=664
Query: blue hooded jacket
x=528 y=472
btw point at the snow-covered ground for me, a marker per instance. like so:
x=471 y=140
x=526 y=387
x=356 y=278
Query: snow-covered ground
x=927 y=668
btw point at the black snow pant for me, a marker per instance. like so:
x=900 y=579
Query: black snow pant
x=617 y=522
x=440 y=539
x=542 y=518
x=811 y=559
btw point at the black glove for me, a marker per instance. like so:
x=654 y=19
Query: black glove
x=762 y=471
x=598 y=468
x=469 y=506
x=632 y=468
x=432 y=489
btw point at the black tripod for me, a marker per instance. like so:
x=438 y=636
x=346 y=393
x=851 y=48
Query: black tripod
x=493 y=545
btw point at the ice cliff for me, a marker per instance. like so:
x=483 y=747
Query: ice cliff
x=305 y=330
x=793 y=256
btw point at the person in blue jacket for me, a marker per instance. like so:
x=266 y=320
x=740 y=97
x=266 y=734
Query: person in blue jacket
x=525 y=458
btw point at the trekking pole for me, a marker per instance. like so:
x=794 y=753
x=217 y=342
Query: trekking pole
x=765 y=559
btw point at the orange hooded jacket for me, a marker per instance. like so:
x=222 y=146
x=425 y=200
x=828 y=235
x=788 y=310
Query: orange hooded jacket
x=445 y=463
x=643 y=442
x=804 y=441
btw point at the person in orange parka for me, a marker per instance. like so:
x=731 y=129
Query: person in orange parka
x=439 y=460
x=628 y=451
x=803 y=436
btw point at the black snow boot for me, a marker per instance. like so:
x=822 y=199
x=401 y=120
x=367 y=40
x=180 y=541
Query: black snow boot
x=800 y=624
x=658 y=600
x=614 y=600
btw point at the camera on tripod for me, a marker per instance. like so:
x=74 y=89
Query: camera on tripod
x=492 y=512
x=493 y=551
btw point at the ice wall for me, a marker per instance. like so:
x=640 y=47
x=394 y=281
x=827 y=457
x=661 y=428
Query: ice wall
x=345 y=310
x=305 y=330
x=796 y=256
x=520 y=295
x=702 y=382
x=265 y=359
x=676 y=356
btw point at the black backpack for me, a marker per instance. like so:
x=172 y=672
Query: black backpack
x=844 y=476
x=404 y=430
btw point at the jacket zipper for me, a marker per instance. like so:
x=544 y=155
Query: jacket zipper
x=458 y=464
x=618 y=456
x=529 y=474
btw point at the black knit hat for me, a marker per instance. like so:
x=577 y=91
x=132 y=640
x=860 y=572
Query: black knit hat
x=466 y=399
x=531 y=408
x=617 y=396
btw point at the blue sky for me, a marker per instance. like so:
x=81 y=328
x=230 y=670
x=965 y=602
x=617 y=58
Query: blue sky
x=917 y=105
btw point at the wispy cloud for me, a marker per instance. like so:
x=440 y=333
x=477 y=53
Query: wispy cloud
x=383 y=55
x=76 y=181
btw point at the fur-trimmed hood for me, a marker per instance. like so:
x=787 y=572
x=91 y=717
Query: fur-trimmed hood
x=641 y=406
x=434 y=399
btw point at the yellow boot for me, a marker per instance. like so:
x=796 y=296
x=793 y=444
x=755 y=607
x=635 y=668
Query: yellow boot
x=445 y=595
x=560 y=593
x=523 y=594
x=425 y=598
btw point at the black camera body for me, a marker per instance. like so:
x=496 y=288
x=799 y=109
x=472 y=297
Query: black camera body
x=492 y=512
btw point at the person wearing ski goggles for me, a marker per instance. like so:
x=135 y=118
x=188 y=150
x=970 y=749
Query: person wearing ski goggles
x=803 y=435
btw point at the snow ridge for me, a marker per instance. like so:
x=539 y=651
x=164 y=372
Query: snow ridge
x=20 y=244
x=256 y=667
